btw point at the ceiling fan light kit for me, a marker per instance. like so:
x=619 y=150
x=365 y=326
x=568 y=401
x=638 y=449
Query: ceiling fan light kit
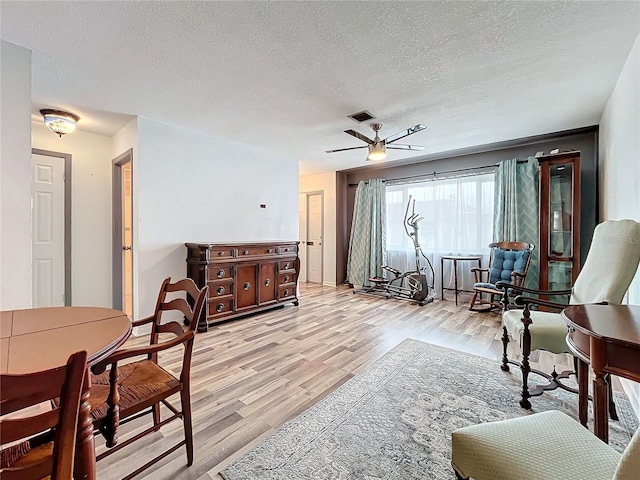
x=378 y=147
x=377 y=152
x=59 y=122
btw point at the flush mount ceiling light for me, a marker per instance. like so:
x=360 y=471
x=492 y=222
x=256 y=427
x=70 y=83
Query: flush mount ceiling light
x=59 y=122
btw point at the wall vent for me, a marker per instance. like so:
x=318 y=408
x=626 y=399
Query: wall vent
x=361 y=116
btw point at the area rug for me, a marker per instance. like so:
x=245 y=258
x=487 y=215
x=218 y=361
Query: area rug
x=394 y=419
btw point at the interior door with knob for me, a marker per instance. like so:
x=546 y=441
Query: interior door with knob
x=123 y=233
x=302 y=225
x=51 y=228
x=314 y=237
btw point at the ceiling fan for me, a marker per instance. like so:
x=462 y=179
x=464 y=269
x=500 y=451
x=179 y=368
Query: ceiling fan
x=378 y=147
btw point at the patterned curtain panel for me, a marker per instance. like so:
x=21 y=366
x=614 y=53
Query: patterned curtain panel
x=517 y=208
x=367 y=245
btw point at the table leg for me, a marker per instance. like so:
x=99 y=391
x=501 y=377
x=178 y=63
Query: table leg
x=85 y=463
x=441 y=278
x=601 y=406
x=583 y=391
x=455 y=279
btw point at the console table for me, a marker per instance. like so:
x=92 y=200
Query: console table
x=243 y=277
x=608 y=338
x=455 y=259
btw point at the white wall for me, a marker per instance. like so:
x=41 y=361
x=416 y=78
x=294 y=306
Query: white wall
x=195 y=188
x=326 y=183
x=15 y=177
x=620 y=165
x=91 y=222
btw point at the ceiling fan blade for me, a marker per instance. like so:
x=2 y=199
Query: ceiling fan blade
x=405 y=133
x=343 y=149
x=401 y=146
x=359 y=136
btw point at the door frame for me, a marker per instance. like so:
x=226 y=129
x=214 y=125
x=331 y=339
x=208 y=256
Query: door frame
x=118 y=232
x=67 y=216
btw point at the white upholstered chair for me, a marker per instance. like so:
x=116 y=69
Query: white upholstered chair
x=605 y=277
x=542 y=446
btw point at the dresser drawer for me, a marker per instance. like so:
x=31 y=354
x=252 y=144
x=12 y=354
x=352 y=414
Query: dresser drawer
x=220 y=306
x=219 y=272
x=286 y=278
x=225 y=252
x=287 y=249
x=255 y=251
x=286 y=265
x=220 y=289
x=286 y=291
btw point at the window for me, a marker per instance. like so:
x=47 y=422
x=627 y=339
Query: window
x=457 y=219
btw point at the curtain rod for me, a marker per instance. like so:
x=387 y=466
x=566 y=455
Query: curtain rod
x=434 y=174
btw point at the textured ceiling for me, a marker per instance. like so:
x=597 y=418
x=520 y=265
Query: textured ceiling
x=283 y=76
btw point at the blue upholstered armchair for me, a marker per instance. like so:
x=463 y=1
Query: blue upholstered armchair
x=509 y=262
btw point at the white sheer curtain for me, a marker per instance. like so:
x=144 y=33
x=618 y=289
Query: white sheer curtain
x=458 y=220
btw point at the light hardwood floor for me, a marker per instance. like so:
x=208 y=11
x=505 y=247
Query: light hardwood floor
x=251 y=375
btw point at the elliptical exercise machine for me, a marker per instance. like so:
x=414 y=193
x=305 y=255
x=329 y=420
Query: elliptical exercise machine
x=411 y=285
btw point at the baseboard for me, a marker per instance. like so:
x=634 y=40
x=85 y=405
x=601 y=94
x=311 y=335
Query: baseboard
x=329 y=284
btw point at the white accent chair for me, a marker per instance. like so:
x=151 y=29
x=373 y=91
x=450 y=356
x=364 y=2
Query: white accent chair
x=605 y=277
x=542 y=446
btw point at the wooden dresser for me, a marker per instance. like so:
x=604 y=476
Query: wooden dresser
x=243 y=277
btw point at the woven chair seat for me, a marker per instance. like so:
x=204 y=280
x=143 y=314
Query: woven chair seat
x=11 y=454
x=30 y=455
x=138 y=381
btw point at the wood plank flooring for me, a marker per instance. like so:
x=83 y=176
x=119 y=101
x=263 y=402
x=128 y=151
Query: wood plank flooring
x=251 y=375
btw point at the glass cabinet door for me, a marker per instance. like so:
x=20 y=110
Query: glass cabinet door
x=559 y=259
x=561 y=210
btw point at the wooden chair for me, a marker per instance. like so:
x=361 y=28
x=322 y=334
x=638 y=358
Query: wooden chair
x=126 y=392
x=509 y=262
x=543 y=446
x=607 y=272
x=46 y=440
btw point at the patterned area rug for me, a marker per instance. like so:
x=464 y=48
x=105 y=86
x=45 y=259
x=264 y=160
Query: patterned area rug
x=394 y=419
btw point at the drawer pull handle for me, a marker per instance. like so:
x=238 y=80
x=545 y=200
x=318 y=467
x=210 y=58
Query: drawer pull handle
x=220 y=273
x=286 y=293
x=286 y=265
x=267 y=282
x=286 y=279
x=247 y=286
x=246 y=252
x=270 y=250
x=220 y=290
x=220 y=254
x=220 y=307
x=286 y=249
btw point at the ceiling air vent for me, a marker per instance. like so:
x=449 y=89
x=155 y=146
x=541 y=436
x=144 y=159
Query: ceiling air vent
x=361 y=116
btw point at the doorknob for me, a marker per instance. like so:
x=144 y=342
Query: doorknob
x=310 y=244
x=126 y=247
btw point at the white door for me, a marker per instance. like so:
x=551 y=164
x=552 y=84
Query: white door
x=47 y=198
x=302 y=251
x=314 y=238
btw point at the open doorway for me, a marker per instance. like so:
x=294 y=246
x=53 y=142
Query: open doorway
x=50 y=228
x=123 y=232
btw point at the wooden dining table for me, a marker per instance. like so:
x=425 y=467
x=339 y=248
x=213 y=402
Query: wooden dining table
x=38 y=339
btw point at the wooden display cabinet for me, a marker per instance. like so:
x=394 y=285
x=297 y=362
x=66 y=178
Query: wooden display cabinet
x=243 y=278
x=559 y=221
